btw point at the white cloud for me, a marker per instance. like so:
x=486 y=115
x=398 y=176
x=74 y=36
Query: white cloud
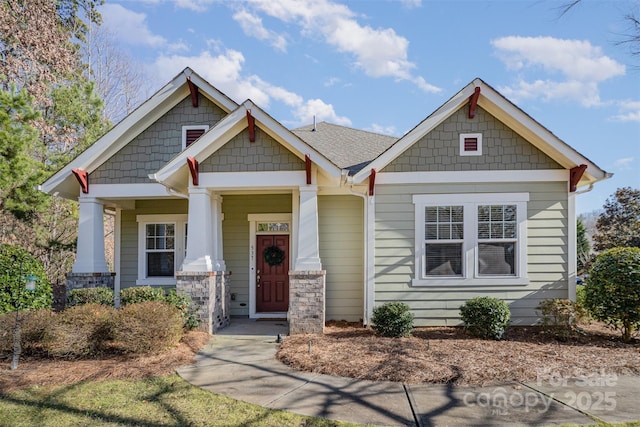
x=179 y=46
x=224 y=71
x=629 y=112
x=624 y=163
x=378 y=52
x=577 y=65
x=252 y=26
x=195 y=5
x=411 y=4
x=128 y=26
x=331 y=81
x=384 y=130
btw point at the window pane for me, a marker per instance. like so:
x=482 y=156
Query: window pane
x=151 y=230
x=444 y=213
x=496 y=230
x=443 y=259
x=160 y=264
x=457 y=231
x=444 y=231
x=431 y=232
x=431 y=214
x=483 y=213
x=151 y=243
x=170 y=230
x=497 y=222
x=444 y=222
x=483 y=230
x=510 y=213
x=497 y=259
x=170 y=243
x=510 y=230
x=457 y=214
x=496 y=213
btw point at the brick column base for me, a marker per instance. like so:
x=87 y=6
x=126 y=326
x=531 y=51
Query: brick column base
x=306 y=302
x=88 y=280
x=211 y=295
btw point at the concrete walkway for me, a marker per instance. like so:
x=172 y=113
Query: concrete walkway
x=239 y=362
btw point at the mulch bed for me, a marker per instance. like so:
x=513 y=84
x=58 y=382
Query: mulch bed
x=42 y=372
x=449 y=355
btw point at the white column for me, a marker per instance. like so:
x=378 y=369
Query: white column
x=216 y=218
x=308 y=242
x=90 y=253
x=199 y=241
x=370 y=256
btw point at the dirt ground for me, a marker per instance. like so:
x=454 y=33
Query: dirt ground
x=431 y=355
x=32 y=372
x=450 y=355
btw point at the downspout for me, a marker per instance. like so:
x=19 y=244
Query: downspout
x=368 y=253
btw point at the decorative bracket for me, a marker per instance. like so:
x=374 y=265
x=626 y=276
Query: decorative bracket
x=194 y=92
x=251 y=121
x=372 y=181
x=473 y=102
x=83 y=178
x=193 y=168
x=575 y=174
x=307 y=166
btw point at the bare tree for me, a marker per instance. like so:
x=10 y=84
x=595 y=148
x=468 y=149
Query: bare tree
x=119 y=79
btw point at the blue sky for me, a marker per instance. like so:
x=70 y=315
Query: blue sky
x=386 y=65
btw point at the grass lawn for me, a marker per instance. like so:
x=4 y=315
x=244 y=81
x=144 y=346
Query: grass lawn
x=158 y=401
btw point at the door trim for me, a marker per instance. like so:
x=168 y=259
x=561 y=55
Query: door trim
x=254 y=220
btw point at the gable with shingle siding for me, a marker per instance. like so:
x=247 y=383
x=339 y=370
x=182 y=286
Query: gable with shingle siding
x=502 y=148
x=241 y=155
x=156 y=145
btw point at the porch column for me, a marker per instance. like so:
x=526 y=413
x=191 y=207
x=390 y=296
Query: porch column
x=216 y=218
x=200 y=234
x=307 y=280
x=90 y=253
x=308 y=241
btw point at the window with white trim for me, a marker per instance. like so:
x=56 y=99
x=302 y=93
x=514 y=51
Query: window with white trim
x=471 y=239
x=470 y=144
x=161 y=248
x=191 y=133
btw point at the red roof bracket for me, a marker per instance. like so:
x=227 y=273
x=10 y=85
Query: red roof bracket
x=372 y=181
x=473 y=102
x=252 y=126
x=575 y=174
x=193 y=168
x=194 y=92
x=307 y=166
x=83 y=178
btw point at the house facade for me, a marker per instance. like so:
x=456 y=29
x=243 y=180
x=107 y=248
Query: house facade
x=324 y=222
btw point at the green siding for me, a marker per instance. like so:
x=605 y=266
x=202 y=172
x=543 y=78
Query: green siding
x=235 y=230
x=546 y=248
x=129 y=233
x=341 y=228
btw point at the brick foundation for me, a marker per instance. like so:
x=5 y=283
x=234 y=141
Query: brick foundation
x=211 y=295
x=306 y=302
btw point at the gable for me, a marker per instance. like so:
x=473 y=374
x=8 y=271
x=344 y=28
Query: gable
x=156 y=145
x=241 y=155
x=502 y=148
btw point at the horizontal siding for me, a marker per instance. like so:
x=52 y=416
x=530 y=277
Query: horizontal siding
x=235 y=231
x=129 y=233
x=341 y=228
x=547 y=237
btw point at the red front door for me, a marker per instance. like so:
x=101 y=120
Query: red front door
x=272 y=281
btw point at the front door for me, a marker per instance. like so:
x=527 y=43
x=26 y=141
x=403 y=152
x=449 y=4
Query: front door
x=272 y=273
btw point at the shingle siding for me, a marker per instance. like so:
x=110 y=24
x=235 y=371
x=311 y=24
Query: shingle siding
x=156 y=145
x=502 y=148
x=241 y=155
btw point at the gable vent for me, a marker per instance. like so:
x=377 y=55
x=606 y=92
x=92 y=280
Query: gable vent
x=193 y=134
x=471 y=144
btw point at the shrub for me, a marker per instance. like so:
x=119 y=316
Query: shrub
x=561 y=316
x=485 y=317
x=613 y=292
x=392 y=319
x=141 y=294
x=15 y=265
x=183 y=303
x=80 y=331
x=99 y=295
x=147 y=327
x=33 y=327
x=581 y=296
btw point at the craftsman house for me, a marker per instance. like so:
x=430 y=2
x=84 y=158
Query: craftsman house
x=325 y=222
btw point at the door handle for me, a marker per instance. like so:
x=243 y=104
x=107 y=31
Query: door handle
x=258 y=280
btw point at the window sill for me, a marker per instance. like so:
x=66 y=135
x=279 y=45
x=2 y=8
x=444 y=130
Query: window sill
x=157 y=281
x=458 y=281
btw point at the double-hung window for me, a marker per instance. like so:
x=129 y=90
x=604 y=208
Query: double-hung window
x=161 y=248
x=470 y=239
